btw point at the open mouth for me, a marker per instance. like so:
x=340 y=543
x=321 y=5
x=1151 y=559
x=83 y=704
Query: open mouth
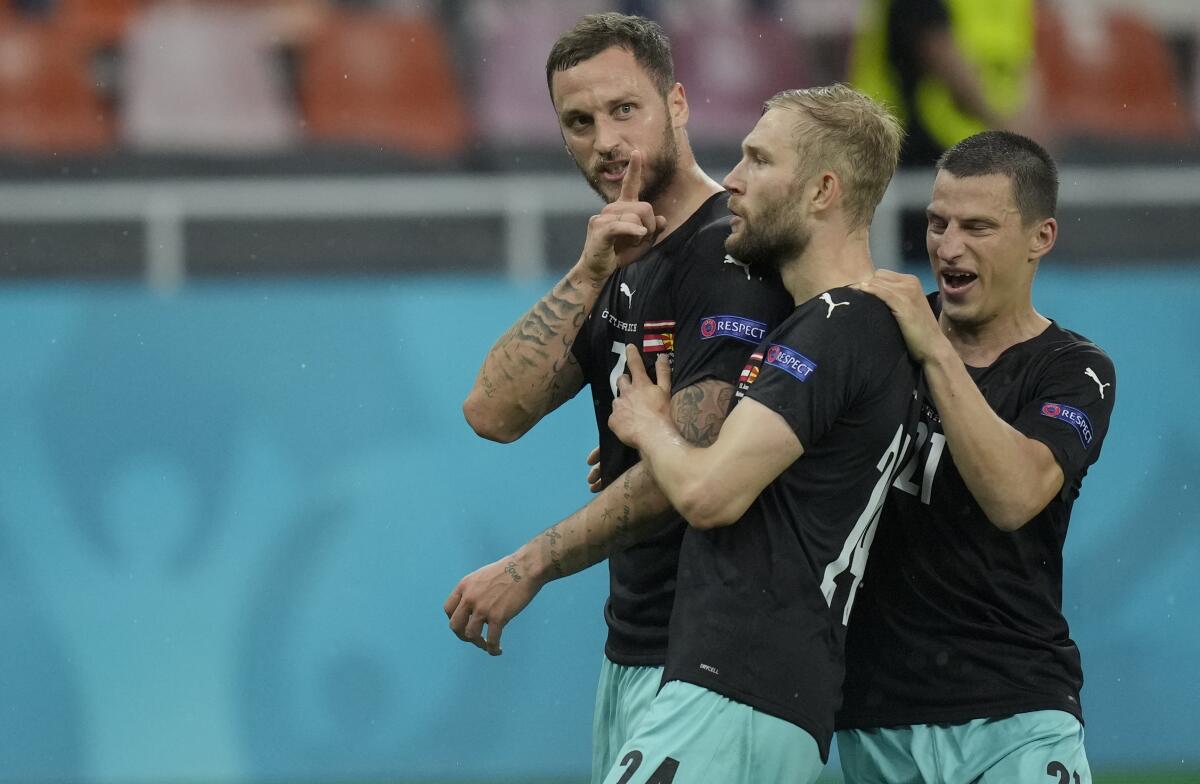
x=957 y=281
x=612 y=172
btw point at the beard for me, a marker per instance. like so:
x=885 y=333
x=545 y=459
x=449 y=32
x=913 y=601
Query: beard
x=658 y=172
x=770 y=239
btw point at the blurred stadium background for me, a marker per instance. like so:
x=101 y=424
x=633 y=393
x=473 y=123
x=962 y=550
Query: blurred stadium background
x=251 y=254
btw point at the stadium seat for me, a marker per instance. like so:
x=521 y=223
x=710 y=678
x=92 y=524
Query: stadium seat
x=1124 y=87
x=372 y=78
x=100 y=23
x=48 y=100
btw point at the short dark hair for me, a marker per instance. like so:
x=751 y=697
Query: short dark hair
x=1027 y=165
x=643 y=38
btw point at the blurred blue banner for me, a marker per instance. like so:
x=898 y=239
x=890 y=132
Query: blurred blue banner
x=229 y=519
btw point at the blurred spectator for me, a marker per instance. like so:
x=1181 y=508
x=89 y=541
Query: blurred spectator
x=732 y=56
x=207 y=75
x=949 y=68
x=509 y=40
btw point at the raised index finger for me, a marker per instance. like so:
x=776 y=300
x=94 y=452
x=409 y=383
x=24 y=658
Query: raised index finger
x=637 y=368
x=631 y=183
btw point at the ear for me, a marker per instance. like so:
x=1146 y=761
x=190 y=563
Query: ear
x=825 y=190
x=1042 y=237
x=677 y=106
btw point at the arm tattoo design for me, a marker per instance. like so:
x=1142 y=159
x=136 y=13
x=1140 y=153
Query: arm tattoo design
x=623 y=528
x=538 y=347
x=552 y=539
x=699 y=411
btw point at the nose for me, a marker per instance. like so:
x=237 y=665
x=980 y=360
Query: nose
x=733 y=181
x=607 y=139
x=947 y=246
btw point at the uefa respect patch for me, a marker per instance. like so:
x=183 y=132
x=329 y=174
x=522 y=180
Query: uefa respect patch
x=790 y=361
x=737 y=327
x=1073 y=417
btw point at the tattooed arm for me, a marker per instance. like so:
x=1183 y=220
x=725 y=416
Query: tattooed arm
x=531 y=371
x=629 y=510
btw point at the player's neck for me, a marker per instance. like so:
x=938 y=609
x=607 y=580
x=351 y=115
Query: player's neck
x=688 y=191
x=830 y=260
x=980 y=344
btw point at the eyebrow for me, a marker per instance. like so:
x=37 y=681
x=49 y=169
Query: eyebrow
x=610 y=104
x=931 y=213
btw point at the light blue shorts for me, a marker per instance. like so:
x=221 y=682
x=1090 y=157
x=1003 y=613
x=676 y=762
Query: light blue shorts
x=691 y=735
x=1041 y=746
x=623 y=697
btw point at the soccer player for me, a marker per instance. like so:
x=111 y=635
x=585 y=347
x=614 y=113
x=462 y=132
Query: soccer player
x=960 y=665
x=784 y=503
x=653 y=272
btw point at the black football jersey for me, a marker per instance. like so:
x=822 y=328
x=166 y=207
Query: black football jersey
x=686 y=298
x=762 y=604
x=956 y=619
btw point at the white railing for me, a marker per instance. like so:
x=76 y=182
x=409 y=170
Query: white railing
x=522 y=201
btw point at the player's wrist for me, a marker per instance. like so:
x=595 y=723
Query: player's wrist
x=939 y=354
x=534 y=564
x=658 y=430
x=587 y=272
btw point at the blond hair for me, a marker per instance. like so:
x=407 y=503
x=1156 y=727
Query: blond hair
x=844 y=131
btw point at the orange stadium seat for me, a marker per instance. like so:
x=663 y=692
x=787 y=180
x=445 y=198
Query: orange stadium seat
x=1126 y=89
x=48 y=100
x=386 y=80
x=101 y=23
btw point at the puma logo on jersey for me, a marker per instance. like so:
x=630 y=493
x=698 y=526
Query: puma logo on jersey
x=745 y=267
x=628 y=293
x=828 y=300
x=1092 y=375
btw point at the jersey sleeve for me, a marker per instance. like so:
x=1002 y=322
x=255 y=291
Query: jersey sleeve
x=823 y=359
x=723 y=309
x=1071 y=407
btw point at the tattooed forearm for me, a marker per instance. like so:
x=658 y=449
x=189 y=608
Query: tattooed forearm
x=623 y=514
x=699 y=410
x=553 y=321
x=530 y=370
x=552 y=538
x=486 y=384
x=624 y=521
x=511 y=569
x=532 y=354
